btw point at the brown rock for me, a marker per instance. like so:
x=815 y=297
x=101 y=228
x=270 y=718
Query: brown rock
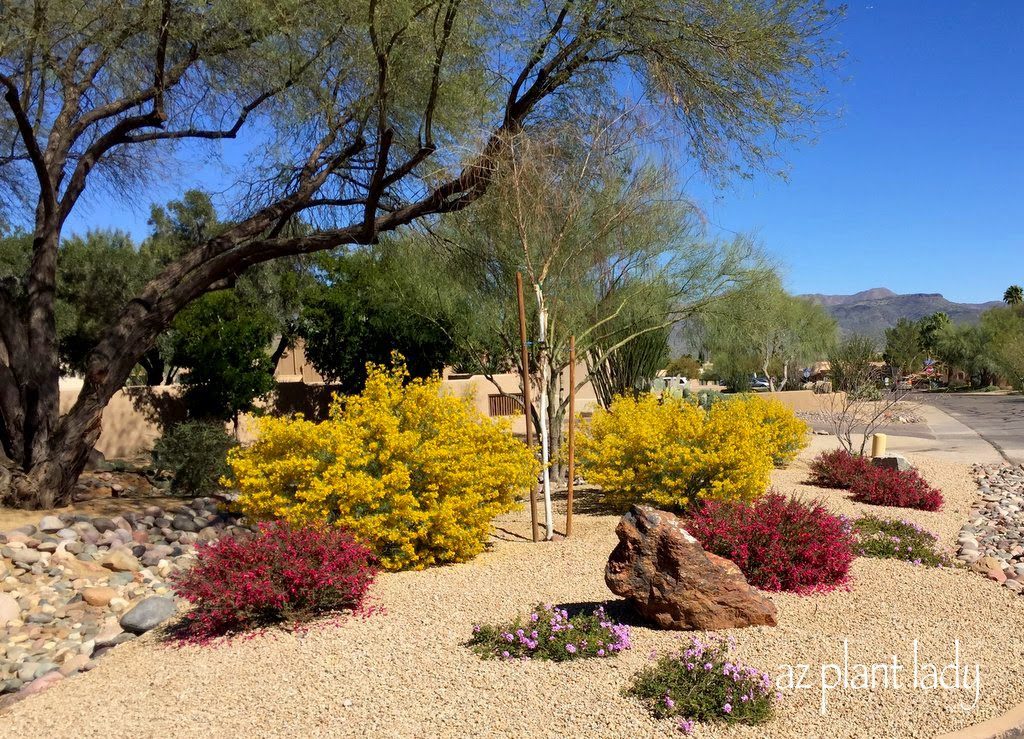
x=73 y=664
x=9 y=609
x=121 y=560
x=78 y=568
x=669 y=578
x=98 y=596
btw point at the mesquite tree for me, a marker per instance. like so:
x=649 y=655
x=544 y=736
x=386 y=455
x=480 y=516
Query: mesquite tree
x=361 y=117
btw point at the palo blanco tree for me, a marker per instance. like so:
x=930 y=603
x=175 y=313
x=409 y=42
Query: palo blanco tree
x=609 y=254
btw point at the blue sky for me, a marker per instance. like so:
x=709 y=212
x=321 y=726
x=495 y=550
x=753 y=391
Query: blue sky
x=918 y=186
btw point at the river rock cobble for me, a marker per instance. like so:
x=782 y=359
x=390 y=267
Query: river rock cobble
x=71 y=583
x=992 y=542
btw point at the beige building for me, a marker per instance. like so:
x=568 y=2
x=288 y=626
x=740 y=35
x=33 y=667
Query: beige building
x=491 y=398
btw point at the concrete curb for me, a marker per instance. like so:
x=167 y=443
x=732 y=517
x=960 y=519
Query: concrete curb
x=1009 y=725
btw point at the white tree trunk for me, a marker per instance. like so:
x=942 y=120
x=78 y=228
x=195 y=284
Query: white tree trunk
x=545 y=377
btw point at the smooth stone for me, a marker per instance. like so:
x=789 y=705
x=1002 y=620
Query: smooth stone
x=40 y=684
x=73 y=664
x=103 y=525
x=25 y=556
x=107 y=634
x=119 y=579
x=49 y=524
x=184 y=523
x=148 y=614
x=98 y=596
x=9 y=609
x=121 y=560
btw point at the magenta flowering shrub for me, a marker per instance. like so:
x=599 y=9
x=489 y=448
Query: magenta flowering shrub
x=703 y=682
x=278 y=574
x=898 y=488
x=874 y=485
x=551 y=633
x=838 y=469
x=778 y=542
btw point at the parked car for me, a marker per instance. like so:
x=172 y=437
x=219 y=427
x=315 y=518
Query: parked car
x=760 y=383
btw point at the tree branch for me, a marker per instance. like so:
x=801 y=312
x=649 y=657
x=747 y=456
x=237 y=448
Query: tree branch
x=47 y=195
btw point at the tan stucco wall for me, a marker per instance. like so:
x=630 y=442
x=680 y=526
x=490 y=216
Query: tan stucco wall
x=801 y=400
x=480 y=388
x=130 y=421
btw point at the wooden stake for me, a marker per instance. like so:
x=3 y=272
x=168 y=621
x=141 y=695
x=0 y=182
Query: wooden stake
x=572 y=434
x=527 y=403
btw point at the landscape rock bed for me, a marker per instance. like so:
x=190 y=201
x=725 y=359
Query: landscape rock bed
x=992 y=542
x=73 y=586
x=405 y=670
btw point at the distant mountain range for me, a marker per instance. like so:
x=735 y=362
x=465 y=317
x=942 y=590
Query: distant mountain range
x=872 y=311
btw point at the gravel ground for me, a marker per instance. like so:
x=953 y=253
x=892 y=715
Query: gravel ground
x=404 y=673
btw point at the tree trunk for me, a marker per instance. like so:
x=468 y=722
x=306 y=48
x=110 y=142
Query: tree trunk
x=43 y=475
x=282 y=346
x=543 y=360
x=153 y=365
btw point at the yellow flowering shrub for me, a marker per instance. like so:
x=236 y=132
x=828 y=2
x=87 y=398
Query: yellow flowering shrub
x=785 y=434
x=415 y=473
x=669 y=452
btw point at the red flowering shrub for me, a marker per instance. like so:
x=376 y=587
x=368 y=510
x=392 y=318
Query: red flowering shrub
x=838 y=469
x=779 y=543
x=280 y=573
x=900 y=488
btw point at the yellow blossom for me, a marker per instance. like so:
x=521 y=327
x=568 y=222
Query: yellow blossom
x=414 y=472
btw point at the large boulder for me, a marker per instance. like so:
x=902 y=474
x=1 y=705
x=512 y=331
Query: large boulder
x=670 y=580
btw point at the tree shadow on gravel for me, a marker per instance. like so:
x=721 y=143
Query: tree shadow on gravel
x=617 y=609
x=587 y=500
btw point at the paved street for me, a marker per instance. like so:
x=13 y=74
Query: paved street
x=999 y=419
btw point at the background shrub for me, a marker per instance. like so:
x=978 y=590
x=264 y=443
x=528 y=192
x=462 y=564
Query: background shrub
x=280 y=573
x=838 y=469
x=779 y=543
x=671 y=453
x=703 y=683
x=886 y=538
x=415 y=473
x=899 y=488
x=195 y=453
x=551 y=633
x=704 y=398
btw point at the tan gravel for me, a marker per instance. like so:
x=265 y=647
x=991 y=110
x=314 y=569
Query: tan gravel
x=404 y=673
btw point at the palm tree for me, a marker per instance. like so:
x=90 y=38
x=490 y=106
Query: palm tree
x=1014 y=295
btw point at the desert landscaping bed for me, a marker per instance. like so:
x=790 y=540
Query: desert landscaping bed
x=403 y=671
